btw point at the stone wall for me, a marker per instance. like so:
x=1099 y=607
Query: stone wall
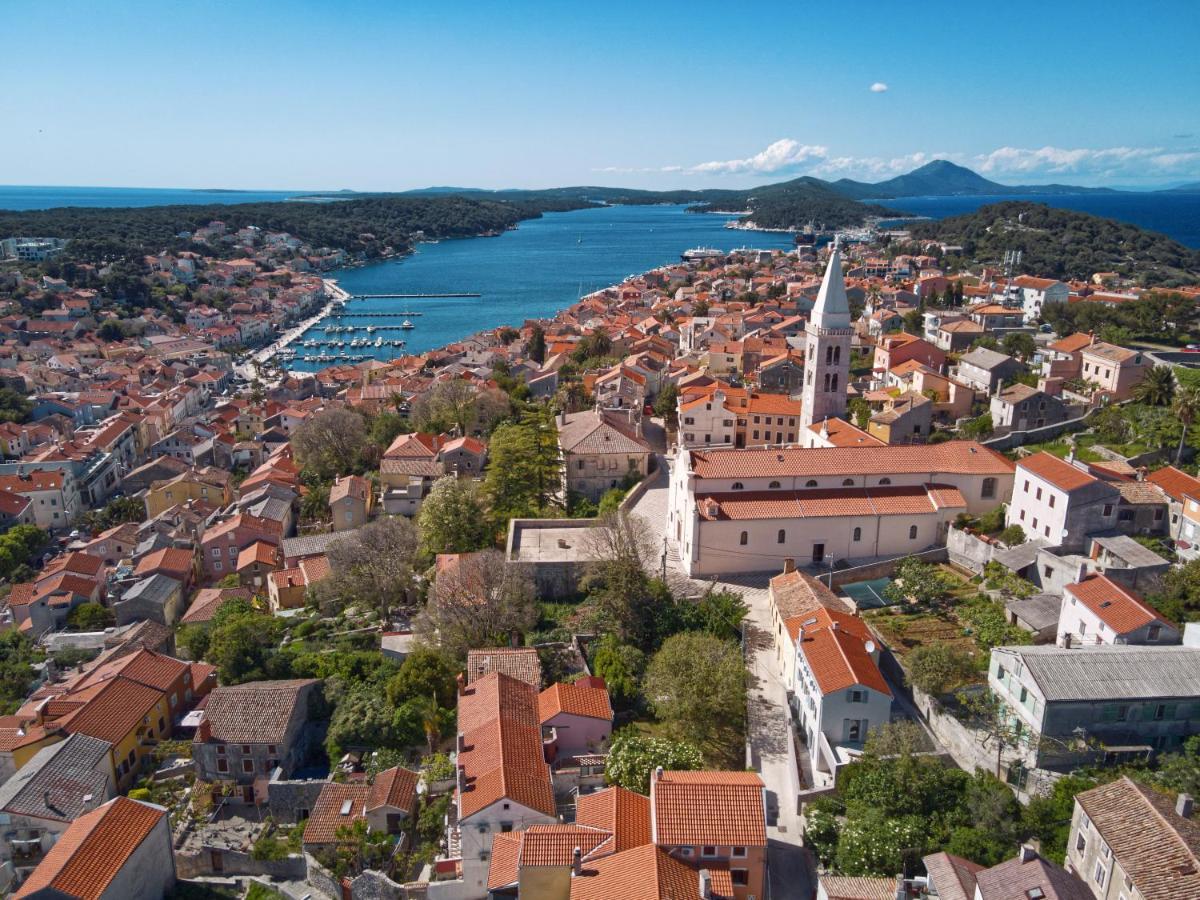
x=286 y=798
x=968 y=551
x=881 y=568
x=234 y=862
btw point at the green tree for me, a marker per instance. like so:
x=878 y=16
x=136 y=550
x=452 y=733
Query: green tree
x=696 y=685
x=1179 y=598
x=876 y=844
x=110 y=330
x=1185 y=406
x=918 y=581
x=537 y=344
x=452 y=518
x=362 y=720
x=372 y=567
x=666 y=405
x=610 y=503
x=17 y=655
x=90 y=617
x=633 y=758
x=386 y=427
x=1157 y=388
x=978 y=428
x=1048 y=817
x=1019 y=344
x=240 y=642
x=524 y=474
x=116 y=512
x=426 y=672
x=621 y=667
x=939 y=668
x=14 y=407
x=18 y=546
x=330 y=442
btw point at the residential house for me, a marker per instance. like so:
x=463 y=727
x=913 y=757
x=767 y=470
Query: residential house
x=715 y=819
x=893 y=349
x=576 y=718
x=119 y=851
x=60 y=783
x=503 y=778
x=1057 y=501
x=351 y=502
x=1036 y=293
x=1026 y=876
x=522 y=663
x=1130 y=841
x=1097 y=702
x=53 y=493
x=1020 y=407
x=601 y=450
x=250 y=730
x=906 y=419
x=985 y=370
x=1183 y=493
x=1114 y=371
x=1098 y=610
x=288 y=588
x=208 y=485
x=256 y=562
x=222 y=544
x=157 y=598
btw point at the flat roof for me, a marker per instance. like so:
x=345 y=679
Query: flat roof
x=535 y=542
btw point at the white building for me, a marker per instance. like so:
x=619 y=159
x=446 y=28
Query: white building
x=707 y=421
x=1097 y=610
x=750 y=510
x=829 y=664
x=1037 y=292
x=1060 y=503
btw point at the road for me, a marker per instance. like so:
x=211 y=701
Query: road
x=791 y=871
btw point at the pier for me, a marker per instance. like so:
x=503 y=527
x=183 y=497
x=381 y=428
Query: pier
x=411 y=296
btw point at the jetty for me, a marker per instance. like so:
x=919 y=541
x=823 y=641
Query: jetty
x=412 y=296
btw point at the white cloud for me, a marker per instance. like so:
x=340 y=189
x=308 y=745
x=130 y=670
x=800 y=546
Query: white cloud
x=1101 y=162
x=783 y=155
x=1007 y=164
x=879 y=87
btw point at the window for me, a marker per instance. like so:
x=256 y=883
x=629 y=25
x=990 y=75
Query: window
x=245 y=748
x=1108 y=509
x=217 y=566
x=781 y=537
x=739 y=876
x=848 y=482
x=744 y=539
x=685 y=851
x=708 y=851
x=1052 y=501
x=579 y=465
x=854 y=695
x=773 y=485
x=1153 y=632
x=220 y=749
x=222 y=765
x=248 y=765
x=1100 y=874
x=506 y=826
x=162 y=725
x=737 y=486
x=1027 y=487
x=885 y=481
x=912 y=532
x=1038 y=495
x=1080 y=843
x=858 y=534
x=989 y=487
x=271 y=749
x=738 y=852
x=812 y=482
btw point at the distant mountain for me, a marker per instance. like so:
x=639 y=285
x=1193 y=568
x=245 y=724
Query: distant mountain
x=1192 y=188
x=942 y=178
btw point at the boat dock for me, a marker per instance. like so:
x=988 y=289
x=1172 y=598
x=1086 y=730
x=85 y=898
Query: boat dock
x=411 y=296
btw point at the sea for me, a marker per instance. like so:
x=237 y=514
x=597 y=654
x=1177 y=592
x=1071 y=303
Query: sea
x=548 y=263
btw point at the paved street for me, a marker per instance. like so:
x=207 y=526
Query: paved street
x=792 y=875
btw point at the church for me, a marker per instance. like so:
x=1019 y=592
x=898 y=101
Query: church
x=842 y=496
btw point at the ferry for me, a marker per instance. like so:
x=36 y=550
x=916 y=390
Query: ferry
x=698 y=253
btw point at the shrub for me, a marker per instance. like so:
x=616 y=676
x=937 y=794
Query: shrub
x=939 y=668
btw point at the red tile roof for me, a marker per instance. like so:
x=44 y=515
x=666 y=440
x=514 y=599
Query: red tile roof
x=575 y=700
x=951 y=457
x=1058 y=472
x=897 y=500
x=691 y=808
x=623 y=813
x=327 y=814
x=171 y=560
x=834 y=645
x=1175 y=484
x=1117 y=607
x=644 y=873
x=90 y=853
x=395 y=787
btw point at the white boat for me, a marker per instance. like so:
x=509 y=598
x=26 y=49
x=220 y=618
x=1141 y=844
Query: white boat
x=370 y=329
x=406 y=325
x=378 y=342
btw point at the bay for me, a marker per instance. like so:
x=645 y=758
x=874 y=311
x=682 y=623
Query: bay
x=26 y=197
x=532 y=271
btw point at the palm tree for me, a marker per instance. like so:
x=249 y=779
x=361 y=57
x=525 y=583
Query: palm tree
x=1157 y=388
x=1185 y=406
x=431 y=720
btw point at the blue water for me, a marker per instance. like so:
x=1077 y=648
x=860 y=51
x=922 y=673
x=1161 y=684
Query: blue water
x=1175 y=215
x=21 y=197
x=531 y=272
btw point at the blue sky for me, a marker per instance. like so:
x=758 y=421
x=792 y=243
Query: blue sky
x=388 y=96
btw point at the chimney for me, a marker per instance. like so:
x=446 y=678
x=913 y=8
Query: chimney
x=562 y=416
x=658 y=773
x=833 y=626
x=705 y=885
x=461 y=681
x=789 y=565
x=462 y=742
x=577 y=861
x=1027 y=854
x=1183 y=805
x=462 y=778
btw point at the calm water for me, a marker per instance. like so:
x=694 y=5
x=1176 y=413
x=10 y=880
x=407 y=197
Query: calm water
x=531 y=272
x=26 y=197
x=1176 y=215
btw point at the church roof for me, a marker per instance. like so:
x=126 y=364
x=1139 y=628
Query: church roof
x=832 y=309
